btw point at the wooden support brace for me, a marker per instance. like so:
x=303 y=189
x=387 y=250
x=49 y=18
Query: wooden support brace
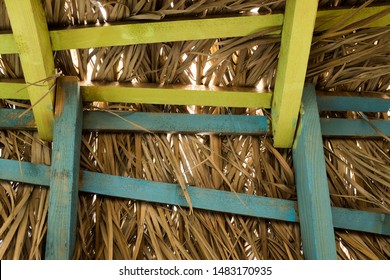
x=297 y=34
x=278 y=209
x=315 y=214
x=63 y=199
x=32 y=39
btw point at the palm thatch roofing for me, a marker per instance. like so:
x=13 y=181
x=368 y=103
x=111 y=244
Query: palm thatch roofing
x=348 y=56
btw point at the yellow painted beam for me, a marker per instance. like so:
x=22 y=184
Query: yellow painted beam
x=7 y=45
x=32 y=39
x=329 y=18
x=176 y=95
x=13 y=89
x=162 y=31
x=296 y=39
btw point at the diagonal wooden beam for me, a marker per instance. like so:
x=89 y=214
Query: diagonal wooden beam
x=32 y=39
x=297 y=34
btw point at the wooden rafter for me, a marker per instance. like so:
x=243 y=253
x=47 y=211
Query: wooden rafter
x=107 y=35
x=294 y=52
x=32 y=40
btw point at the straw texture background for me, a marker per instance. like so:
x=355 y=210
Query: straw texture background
x=344 y=58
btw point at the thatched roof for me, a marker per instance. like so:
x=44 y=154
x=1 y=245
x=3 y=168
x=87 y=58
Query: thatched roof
x=348 y=56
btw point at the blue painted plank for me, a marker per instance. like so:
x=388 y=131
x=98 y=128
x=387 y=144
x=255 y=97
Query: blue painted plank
x=26 y=172
x=64 y=177
x=343 y=102
x=185 y=123
x=354 y=127
x=17 y=119
x=315 y=214
x=210 y=199
x=156 y=122
x=361 y=220
x=39 y=174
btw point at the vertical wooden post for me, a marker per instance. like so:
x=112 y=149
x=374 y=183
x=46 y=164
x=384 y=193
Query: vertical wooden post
x=63 y=199
x=315 y=214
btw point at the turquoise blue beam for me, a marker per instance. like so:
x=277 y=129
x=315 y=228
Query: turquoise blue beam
x=166 y=193
x=355 y=219
x=64 y=176
x=370 y=102
x=25 y=172
x=183 y=123
x=201 y=198
x=318 y=239
x=354 y=127
x=156 y=122
x=16 y=119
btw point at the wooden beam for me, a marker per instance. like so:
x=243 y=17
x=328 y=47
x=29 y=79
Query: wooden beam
x=349 y=101
x=343 y=218
x=32 y=39
x=175 y=123
x=354 y=127
x=8 y=44
x=315 y=214
x=155 y=94
x=176 y=95
x=296 y=39
x=64 y=178
x=328 y=18
x=11 y=89
x=18 y=119
x=357 y=220
x=162 y=31
x=63 y=39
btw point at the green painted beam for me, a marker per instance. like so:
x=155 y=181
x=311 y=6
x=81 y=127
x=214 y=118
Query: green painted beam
x=343 y=218
x=161 y=31
x=64 y=176
x=314 y=209
x=296 y=39
x=32 y=39
x=177 y=95
x=8 y=45
x=154 y=94
x=92 y=37
x=329 y=18
x=13 y=89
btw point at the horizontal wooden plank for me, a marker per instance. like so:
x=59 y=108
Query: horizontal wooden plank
x=8 y=44
x=17 y=119
x=361 y=220
x=328 y=18
x=201 y=198
x=26 y=172
x=354 y=127
x=177 y=95
x=137 y=33
x=149 y=122
x=13 y=89
x=181 y=123
x=38 y=174
x=161 y=31
x=346 y=101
